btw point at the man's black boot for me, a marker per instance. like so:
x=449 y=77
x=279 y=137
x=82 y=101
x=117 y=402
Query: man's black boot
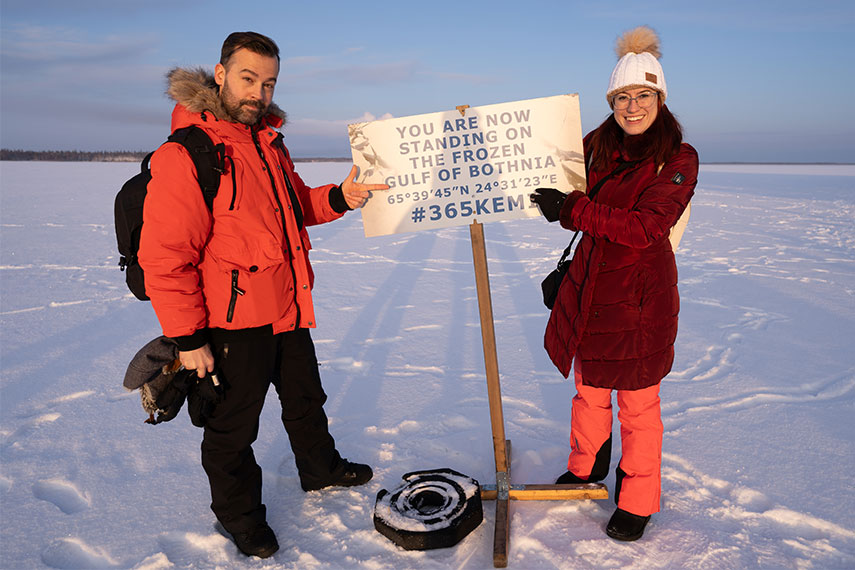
x=626 y=526
x=349 y=475
x=260 y=541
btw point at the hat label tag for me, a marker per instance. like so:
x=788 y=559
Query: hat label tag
x=651 y=77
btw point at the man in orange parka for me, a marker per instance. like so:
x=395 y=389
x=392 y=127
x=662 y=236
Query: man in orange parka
x=232 y=285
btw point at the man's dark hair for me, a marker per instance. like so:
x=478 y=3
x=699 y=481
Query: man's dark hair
x=254 y=42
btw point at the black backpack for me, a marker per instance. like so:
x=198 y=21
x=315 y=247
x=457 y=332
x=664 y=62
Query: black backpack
x=209 y=160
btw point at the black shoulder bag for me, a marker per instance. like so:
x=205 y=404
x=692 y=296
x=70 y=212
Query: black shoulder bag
x=550 y=285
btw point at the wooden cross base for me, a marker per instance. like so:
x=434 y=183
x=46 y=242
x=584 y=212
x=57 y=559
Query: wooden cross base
x=501 y=534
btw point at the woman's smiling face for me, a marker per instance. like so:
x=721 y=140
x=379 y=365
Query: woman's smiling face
x=635 y=119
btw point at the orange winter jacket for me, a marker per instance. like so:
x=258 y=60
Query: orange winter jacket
x=245 y=264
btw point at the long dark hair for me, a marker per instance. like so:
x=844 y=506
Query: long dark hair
x=660 y=141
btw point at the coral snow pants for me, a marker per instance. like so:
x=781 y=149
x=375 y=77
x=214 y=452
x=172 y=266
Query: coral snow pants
x=247 y=367
x=638 y=484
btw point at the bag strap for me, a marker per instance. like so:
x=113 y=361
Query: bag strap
x=624 y=165
x=209 y=159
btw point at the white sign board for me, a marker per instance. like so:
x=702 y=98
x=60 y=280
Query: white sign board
x=449 y=168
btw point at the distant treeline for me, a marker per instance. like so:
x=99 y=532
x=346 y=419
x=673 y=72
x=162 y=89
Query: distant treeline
x=72 y=155
x=106 y=156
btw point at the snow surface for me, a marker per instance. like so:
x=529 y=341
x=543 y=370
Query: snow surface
x=759 y=447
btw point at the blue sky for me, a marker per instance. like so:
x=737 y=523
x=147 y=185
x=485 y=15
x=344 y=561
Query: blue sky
x=751 y=81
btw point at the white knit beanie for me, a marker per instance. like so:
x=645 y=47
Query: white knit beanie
x=638 y=63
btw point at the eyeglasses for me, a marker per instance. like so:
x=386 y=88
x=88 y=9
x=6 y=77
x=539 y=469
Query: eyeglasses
x=645 y=99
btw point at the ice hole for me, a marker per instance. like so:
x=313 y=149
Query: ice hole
x=428 y=502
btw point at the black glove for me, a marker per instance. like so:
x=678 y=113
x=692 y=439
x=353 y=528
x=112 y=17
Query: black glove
x=204 y=397
x=549 y=200
x=171 y=398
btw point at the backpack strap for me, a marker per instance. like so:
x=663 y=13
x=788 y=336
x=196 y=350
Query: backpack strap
x=209 y=159
x=145 y=165
x=675 y=234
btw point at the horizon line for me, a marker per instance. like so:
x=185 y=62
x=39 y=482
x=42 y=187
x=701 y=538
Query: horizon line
x=118 y=155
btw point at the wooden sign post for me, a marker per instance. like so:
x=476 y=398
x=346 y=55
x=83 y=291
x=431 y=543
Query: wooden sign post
x=503 y=491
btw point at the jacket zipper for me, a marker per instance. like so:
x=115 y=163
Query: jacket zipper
x=234 y=184
x=235 y=292
x=281 y=215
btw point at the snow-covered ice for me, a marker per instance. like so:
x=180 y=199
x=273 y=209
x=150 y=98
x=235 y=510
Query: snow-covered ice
x=759 y=448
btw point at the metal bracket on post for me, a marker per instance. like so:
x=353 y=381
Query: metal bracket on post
x=503 y=486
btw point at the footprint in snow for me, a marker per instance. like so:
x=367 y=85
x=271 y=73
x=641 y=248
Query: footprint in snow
x=63 y=494
x=28 y=427
x=716 y=363
x=73 y=553
x=39 y=415
x=676 y=414
x=347 y=365
x=38 y=412
x=188 y=548
x=777 y=532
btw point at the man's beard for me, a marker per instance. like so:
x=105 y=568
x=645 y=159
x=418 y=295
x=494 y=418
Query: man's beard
x=244 y=111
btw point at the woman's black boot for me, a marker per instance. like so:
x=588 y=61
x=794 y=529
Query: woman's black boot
x=626 y=526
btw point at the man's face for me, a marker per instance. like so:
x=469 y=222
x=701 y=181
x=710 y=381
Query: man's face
x=246 y=85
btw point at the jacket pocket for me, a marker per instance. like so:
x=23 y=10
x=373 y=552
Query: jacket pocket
x=246 y=248
x=245 y=287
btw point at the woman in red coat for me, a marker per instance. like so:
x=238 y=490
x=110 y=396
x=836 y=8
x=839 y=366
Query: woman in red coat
x=615 y=316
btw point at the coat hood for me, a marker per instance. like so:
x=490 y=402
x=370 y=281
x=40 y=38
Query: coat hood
x=195 y=90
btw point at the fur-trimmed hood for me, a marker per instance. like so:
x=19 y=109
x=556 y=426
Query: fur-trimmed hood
x=195 y=90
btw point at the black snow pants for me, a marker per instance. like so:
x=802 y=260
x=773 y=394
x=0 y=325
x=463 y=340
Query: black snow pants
x=247 y=364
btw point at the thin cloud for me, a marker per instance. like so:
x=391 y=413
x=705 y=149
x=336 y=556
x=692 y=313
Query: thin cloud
x=737 y=15
x=303 y=60
x=318 y=59
x=381 y=73
x=35 y=48
x=325 y=127
x=315 y=59
x=469 y=78
x=64 y=76
x=21 y=9
x=308 y=72
x=376 y=74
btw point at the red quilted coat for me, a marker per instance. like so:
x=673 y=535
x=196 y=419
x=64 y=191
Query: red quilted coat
x=245 y=264
x=617 y=307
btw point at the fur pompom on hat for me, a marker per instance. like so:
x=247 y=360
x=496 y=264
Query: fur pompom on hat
x=638 y=63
